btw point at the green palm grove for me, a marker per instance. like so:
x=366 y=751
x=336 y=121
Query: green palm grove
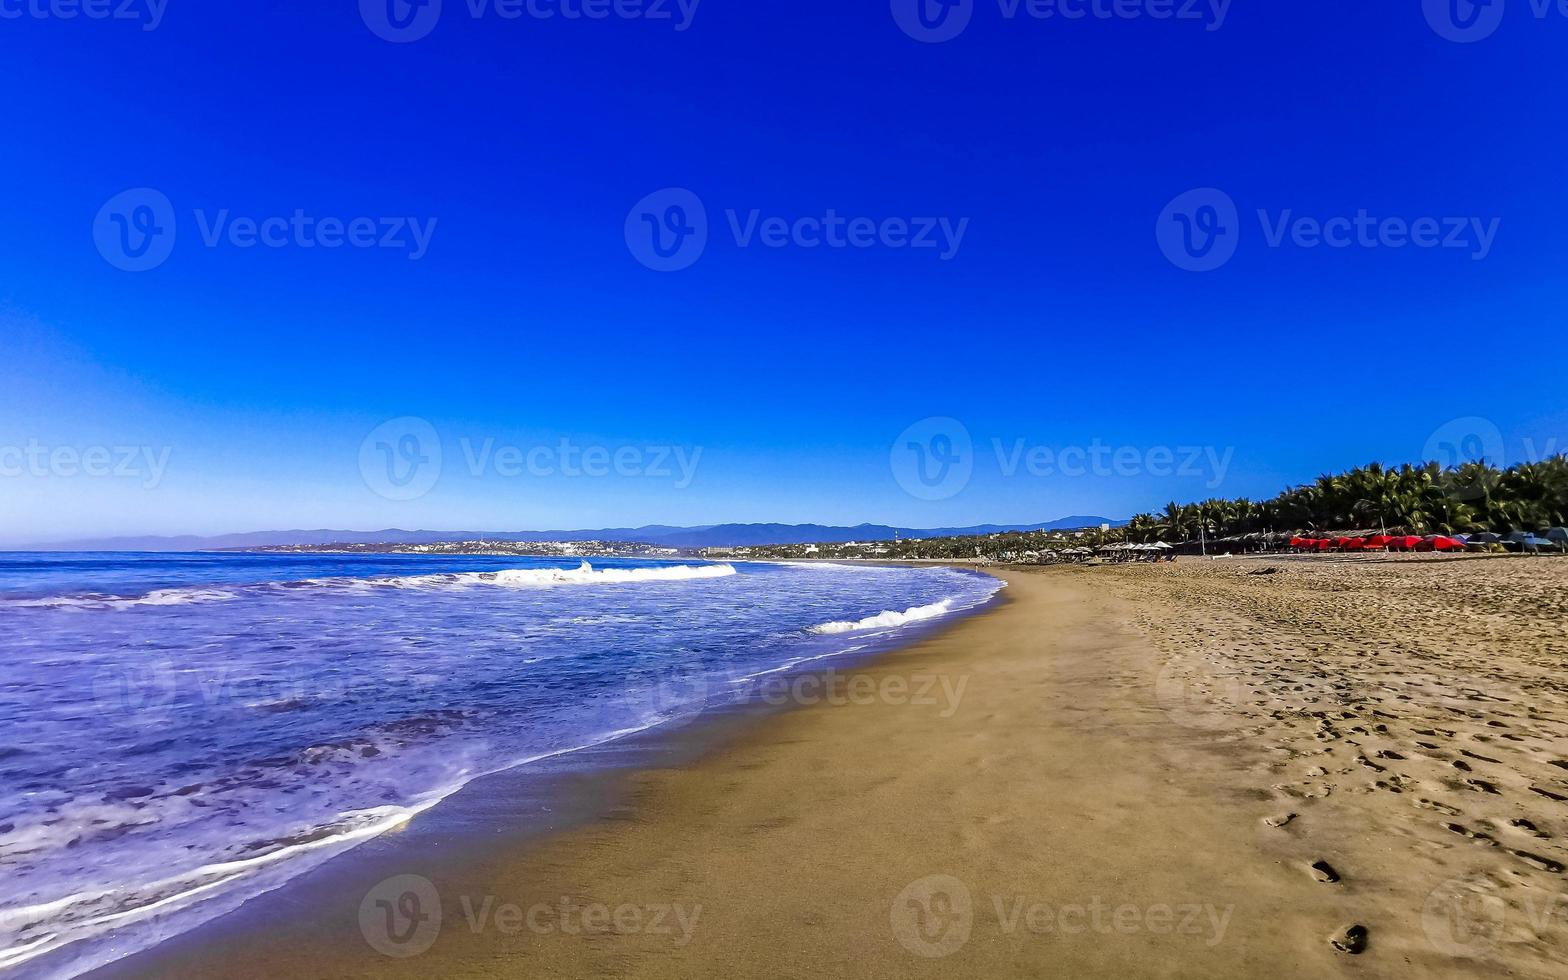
x=1410 y=499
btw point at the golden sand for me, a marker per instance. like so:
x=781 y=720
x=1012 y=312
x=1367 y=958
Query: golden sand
x=1188 y=770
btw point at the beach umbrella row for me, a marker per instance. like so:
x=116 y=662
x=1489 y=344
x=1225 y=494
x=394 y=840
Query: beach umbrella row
x=1383 y=542
x=1556 y=537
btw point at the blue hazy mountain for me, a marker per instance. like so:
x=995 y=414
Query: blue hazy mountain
x=706 y=536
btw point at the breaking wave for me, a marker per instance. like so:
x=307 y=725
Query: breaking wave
x=511 y=578
x=888 y=619
x=161 y=597
x=526 y=578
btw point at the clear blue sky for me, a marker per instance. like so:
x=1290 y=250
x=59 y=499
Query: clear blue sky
x=1057 y=322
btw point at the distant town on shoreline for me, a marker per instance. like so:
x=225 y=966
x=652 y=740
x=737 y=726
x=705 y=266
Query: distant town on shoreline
x=1502 y=507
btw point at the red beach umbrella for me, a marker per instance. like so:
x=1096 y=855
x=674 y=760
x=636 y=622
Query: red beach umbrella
x=1445 y=543
x=1355 y=544
x=1379 y=540
x=1404 y=542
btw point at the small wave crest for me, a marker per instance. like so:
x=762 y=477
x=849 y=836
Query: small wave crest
x=525 y=578
x=884 y=620
x=513 y=578
x=161 y=597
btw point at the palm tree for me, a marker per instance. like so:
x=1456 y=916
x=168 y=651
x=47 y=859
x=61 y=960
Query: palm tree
x=1419 y=497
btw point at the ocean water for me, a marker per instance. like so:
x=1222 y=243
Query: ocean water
x=178 y=732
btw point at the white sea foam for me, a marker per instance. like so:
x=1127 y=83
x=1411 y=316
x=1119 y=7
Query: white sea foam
x=104 y=856
x=162 y=597
x=528 y=578
x=888 y=619
x=511 y=578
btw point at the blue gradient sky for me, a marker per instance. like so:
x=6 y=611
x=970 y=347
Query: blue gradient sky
x=1059 y=322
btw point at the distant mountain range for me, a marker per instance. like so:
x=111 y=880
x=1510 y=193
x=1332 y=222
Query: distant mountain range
x=710 y=536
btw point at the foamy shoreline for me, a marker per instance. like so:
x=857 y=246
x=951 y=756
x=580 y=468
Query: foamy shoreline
x=873 y=633
x=1040 y=794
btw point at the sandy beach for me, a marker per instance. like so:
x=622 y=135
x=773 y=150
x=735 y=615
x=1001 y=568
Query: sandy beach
x=1216 y=769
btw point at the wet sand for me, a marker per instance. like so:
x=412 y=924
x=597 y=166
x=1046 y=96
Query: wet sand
x=1182 y=770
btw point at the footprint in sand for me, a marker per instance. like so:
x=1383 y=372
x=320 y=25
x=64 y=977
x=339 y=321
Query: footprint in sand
x=1323 y=872
x=1474 y=835
x=1529 y=827
x=1279 y=820
x=1536 y=861
x=1352 y=940
x=1439 y=807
